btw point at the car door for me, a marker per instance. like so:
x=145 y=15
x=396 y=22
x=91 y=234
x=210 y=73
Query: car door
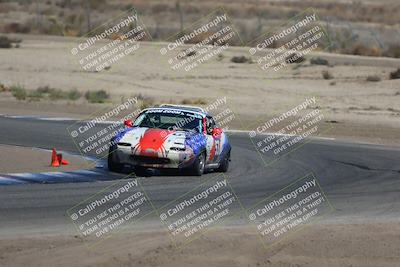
x=213 y=146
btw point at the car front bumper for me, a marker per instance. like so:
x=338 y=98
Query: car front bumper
x=173 y=159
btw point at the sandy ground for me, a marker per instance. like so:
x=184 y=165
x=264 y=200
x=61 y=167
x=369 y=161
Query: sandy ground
x=361 y=110
x=356 y=109
x=367 y=244
x=15 y=159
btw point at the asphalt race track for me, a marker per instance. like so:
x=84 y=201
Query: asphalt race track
x=362 y=182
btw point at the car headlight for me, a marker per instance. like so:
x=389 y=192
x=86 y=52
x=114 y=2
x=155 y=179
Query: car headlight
x=124 y=144
x=175 y=148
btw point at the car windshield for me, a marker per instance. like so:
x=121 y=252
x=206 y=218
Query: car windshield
x=167 y=119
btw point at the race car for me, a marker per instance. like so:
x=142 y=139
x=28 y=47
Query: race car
x=171 y=137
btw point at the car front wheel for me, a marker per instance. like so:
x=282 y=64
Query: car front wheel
x=199 y=164
x=113 y=164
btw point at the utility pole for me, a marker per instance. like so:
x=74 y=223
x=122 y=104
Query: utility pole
x=87 y=14
x=179 y=9
x=37 y=22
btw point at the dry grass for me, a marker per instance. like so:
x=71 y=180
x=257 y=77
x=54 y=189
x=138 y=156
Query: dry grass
x=4 y=88
x=373 y=78
x=241 y=59
x=195 y=101
x=144 y=100
x=364 y=50
x=319 y=61
x=327 y=75
x=251 y=19
x=395 y=74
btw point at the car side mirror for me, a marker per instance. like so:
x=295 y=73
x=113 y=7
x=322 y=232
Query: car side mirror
x=216 y=131
x=128 y=123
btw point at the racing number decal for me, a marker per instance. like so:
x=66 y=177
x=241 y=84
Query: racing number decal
x=217 y=146
x=213 y=147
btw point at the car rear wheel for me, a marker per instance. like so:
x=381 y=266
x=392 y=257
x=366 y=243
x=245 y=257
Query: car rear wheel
x=113 y=164
x=224 y=165
x=199 y=164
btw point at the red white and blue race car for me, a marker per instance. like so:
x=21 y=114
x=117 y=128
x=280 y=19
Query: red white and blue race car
x=169 y=136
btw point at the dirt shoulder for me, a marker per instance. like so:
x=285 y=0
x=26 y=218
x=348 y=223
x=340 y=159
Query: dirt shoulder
x=368 y=244
x=9 y=106
x=15 y=159
x=359 y=110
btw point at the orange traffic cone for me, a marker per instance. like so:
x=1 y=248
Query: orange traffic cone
x=54 y=159
x=59 y=157
x=61 y=160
